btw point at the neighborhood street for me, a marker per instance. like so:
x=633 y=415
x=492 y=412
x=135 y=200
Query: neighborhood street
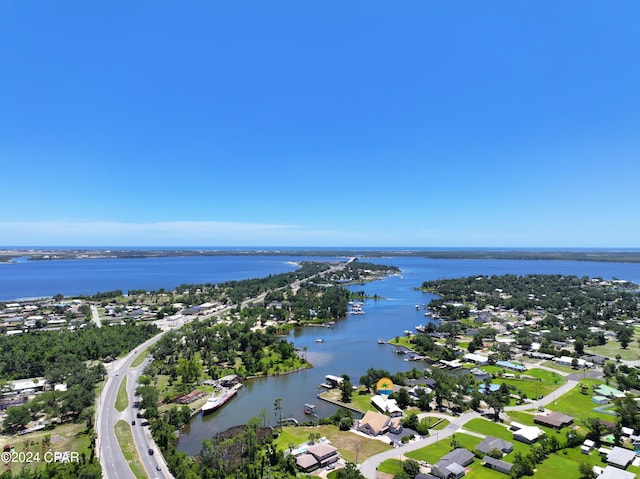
x=369 y=466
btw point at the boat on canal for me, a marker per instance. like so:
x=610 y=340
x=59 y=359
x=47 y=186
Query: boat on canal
x=220 y=398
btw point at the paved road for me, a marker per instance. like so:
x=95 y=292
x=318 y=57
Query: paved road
x=114 y=465
x=369 y=467
x=96 y=316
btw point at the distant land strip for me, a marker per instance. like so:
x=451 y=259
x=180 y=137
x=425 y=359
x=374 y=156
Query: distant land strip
x=10 y=255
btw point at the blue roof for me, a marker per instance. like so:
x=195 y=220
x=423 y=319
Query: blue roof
x=510 y=365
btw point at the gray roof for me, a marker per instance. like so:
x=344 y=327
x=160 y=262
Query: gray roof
x=620 y=456
x=506 y=466
x=455 y=468
x=489 y=443
x=461 y=455
x=615 y=473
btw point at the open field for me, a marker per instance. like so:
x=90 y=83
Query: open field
x=66 y=437
x=534 y=382
x=613 y=348
x=579 y=405
x=346 y=442
x=566 y=465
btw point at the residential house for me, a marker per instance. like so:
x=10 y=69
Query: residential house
x=610 y=472
x=451 y=466
x=376 y=424
x=479 y=375
x=490 y=443
x=317 y=455
x=526 y=434
x=635 y=440
x=386 y=405
x=620 y=457
x=608 y=391
x=556 y=420
x=477 y=359
x=497 y=465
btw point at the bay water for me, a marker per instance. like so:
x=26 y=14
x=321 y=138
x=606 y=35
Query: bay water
x=349 y=347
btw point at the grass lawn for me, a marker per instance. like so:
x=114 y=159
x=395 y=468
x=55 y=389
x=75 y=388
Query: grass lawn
x=436 y=423
x=612 y=348
x=434 y=452
x=125 y=439
x=141 y=357
x=391 y=466
x=579 y=405
x=566 y=465
x=489 y=428
x=345 y=441
x=122 y=400
x=523 y=417
x=66 y=437
x=360 y=399
x=560 y=367
x=534 y=383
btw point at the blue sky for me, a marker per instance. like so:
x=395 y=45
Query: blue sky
x=427 y=124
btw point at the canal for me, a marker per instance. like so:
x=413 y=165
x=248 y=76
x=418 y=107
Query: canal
x=349 y=347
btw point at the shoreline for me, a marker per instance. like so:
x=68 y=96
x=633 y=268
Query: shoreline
x=616 y=255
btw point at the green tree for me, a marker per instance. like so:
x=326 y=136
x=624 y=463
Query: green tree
x=346 y=389
x=522 y=465
x=403 y=398
x=586 y=471
x=411 y=467
x=17 y=418
x=277 y=410
x=350 y=471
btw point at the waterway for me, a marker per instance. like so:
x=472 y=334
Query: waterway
x=350 y=347
x=74 y=277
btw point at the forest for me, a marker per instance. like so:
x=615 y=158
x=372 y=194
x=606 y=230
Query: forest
x=49 y=353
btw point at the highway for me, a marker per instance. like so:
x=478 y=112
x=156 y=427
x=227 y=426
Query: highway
x=114 y=464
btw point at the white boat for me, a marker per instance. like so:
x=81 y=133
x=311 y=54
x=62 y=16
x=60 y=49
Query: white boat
x=319 y=340
x=218 y=399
